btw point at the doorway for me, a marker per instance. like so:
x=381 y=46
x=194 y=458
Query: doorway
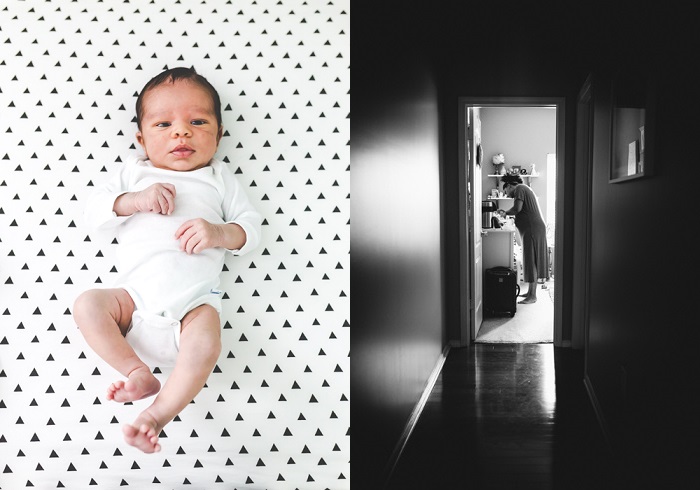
x=478 y=181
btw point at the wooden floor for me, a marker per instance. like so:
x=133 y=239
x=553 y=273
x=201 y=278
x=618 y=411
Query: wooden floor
x=502 y=417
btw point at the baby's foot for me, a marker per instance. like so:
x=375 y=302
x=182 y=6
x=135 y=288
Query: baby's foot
x=141 y=384
x=143 y=433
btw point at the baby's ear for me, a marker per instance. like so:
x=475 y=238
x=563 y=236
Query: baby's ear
x=139 y=138
x=220 y=134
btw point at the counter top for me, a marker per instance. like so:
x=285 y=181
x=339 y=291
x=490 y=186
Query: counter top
x=498 y=230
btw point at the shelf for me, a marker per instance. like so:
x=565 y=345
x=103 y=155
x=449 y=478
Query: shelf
x=522 y=175
x=489 y=198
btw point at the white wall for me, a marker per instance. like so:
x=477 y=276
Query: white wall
x=524 y=135
x=275 y=413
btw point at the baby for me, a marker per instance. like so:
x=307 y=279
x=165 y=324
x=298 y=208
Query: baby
x=176 y=212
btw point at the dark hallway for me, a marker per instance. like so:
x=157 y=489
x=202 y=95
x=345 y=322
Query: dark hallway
x=507 y=416
x=628 y=276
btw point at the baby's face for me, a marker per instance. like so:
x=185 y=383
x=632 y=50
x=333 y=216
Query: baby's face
x=179 y=130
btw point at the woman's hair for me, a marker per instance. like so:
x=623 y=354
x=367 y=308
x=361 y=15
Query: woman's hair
x=512 y=179
x=173 y=75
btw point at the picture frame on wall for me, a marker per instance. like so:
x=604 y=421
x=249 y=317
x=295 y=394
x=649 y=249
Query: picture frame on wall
x=632 y=110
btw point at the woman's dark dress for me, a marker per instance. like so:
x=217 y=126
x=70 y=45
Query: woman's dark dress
x=534 y=235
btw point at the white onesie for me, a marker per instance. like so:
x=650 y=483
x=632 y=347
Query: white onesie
x=165 y=282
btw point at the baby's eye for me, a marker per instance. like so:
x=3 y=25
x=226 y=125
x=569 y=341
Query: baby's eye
x=162 y=124
x=198 y=122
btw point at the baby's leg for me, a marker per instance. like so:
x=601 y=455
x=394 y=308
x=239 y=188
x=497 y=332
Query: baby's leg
x=200 y=345
x=103 y=316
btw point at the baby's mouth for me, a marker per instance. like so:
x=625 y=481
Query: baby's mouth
x=182 y=151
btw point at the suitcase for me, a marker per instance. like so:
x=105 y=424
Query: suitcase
x=501 y=291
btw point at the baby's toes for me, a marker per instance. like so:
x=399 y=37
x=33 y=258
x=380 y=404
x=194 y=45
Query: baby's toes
x=151 y=436
x=113 y=388
x=149 y=432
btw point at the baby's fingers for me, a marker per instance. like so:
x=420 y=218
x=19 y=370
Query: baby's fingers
x=166 y=199
x=189 y=240
x=169 y=194
x=183 y=228
x=187 y=235
x=160 y=204
x=194 y=244
x=170 y=188
x=166 y=203
x=196 y=236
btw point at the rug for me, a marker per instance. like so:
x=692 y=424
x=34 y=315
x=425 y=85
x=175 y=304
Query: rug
x=532 y=323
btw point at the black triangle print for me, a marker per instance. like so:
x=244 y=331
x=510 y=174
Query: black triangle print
x=287 y=97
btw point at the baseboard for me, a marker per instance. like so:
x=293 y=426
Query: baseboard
x=415 y=415
x=598 y=413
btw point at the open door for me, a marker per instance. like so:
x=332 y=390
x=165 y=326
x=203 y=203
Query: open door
x=470 y=244
x=475 y=231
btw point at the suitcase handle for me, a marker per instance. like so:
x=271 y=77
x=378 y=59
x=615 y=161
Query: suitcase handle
x=500 y=268
x=517 y=290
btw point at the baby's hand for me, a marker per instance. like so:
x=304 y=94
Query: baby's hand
x=197 y=235
x=158 y=198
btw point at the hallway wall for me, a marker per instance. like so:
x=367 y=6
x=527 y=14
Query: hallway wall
x=396 y=262
x=643 y=336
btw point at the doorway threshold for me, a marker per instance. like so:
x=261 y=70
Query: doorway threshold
x=532 y=323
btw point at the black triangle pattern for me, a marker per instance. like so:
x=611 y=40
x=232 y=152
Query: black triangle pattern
x=275 y=412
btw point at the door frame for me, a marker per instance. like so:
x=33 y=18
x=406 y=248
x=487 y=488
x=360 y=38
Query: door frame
x=466 y=262
x=583 y=204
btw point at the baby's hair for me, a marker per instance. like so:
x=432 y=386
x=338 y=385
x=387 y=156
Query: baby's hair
x=173 y=75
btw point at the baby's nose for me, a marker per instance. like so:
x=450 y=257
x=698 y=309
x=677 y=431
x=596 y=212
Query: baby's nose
x=180 y=130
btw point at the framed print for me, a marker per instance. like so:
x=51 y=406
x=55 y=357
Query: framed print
x=631 y=108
